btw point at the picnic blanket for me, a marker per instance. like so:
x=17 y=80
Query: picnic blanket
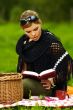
x=47 y=102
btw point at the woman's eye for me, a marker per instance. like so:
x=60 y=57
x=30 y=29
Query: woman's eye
x=28 y=31
x=36 y=29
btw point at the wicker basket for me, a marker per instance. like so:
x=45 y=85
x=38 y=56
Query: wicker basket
x=11 y=88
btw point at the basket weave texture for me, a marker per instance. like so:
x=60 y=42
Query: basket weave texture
x=11 y=88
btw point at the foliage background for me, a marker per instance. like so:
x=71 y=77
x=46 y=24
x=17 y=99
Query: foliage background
x=49 y=10
x=56 y=15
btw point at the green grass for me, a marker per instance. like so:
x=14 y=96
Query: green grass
x=36 y=108
x=10 y=33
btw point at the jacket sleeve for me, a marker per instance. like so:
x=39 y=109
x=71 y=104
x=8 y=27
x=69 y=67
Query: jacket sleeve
x=63 y=64
x=21 y=66
x=20 y=44
x=19 y=47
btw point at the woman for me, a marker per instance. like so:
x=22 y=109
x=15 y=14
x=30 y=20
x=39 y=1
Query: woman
x=40 y=50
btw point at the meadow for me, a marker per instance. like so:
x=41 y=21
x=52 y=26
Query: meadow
x=10 y=33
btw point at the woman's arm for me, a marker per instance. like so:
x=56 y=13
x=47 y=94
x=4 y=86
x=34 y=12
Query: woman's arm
x=63 y=64
x=21 y=66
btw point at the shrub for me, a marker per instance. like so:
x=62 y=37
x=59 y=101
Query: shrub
x=15 y=14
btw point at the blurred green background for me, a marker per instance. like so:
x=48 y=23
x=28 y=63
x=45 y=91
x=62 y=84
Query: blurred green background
x=56 y=15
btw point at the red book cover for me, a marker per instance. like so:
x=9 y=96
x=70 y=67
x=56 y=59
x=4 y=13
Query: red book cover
x=50 y=73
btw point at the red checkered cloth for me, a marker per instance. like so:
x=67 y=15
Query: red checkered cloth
x=48 y=101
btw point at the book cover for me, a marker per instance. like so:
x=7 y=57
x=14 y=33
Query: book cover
x=50 y=73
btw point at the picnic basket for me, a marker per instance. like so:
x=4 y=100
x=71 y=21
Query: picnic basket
x=11 y=88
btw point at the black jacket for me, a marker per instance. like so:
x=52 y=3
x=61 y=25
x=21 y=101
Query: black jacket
x=48 y=52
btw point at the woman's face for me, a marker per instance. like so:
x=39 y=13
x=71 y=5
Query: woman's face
x=33 y=32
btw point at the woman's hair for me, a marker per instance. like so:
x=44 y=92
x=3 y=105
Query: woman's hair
x=29 y=13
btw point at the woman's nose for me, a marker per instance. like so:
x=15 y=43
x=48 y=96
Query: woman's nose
x=33 y=33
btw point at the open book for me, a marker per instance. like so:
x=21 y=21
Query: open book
x=50 y=73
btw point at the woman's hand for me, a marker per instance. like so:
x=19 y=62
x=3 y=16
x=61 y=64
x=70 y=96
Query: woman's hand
x=46 y=84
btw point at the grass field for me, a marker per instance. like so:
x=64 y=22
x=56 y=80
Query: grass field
x=37 y=108
x=10 y=33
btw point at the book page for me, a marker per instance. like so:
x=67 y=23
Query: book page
x=30 y=73
x=43 y=75
x=47 y=71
